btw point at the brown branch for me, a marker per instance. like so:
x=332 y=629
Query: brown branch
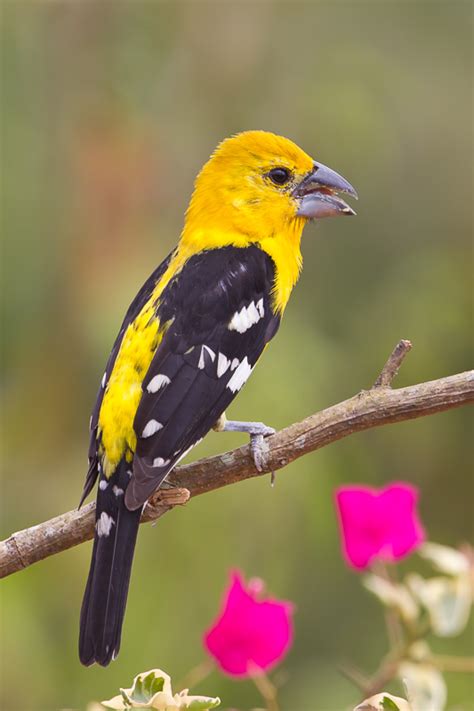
x=379 y=406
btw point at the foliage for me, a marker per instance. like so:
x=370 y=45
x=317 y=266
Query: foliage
x=152 y=690
x=384 y=702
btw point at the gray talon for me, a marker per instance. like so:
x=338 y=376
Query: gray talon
x=265 y=431
x=259 y=449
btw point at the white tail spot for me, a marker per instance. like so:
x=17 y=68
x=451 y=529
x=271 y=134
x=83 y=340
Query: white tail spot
x=104 y=524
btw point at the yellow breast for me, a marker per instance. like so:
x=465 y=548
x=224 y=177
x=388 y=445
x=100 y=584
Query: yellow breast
x=124 y=390
x=124 y=386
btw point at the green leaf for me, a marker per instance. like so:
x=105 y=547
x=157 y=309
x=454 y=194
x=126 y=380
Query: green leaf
x=147 y=686
x=203 y=704
x=384 y=702
x=389 y=704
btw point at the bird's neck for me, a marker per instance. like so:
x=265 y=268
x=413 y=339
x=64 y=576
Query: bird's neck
x=285 y=251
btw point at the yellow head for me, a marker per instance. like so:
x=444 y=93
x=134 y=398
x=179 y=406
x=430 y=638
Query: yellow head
x=261 y=188
x=254 y=185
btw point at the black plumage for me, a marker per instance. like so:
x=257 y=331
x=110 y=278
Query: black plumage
x=200 y=303
x=105 y=597
x=217 y=317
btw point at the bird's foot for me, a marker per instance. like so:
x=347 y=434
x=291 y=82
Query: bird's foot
x=258 y=431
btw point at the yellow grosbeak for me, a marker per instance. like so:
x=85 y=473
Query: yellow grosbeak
x=189 y=342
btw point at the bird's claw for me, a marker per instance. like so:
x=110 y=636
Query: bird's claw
x=259 y=447
x=258 y=431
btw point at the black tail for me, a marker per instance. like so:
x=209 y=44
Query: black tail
x=105 y=597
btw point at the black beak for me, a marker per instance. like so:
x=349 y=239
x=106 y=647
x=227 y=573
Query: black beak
x=318 y=196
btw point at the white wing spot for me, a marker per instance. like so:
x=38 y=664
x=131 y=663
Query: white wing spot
x=223 y=364
x=234 y=364
x=260 y=308
x=103 y=485
x=104 y=524
x=160 y=462
x=129 y=472
x=240 y=376
x=252 y=313
x=104 y=380
x=159 y=381
x=247 y=317
x=151 y=427
x=202 y=361
x=235 y=324
x=117 y=491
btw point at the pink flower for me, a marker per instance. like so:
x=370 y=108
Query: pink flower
x=249 y=634
x=380 y=523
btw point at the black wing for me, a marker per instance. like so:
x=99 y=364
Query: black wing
x=221 y=317
x=133 y=310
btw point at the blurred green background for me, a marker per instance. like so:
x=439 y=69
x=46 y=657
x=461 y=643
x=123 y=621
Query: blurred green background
x=109 y=110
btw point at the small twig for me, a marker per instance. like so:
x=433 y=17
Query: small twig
x=268 y=691
x=354 y=675
x=453 y=664
x=174 y=496
x=389 y=669
x=392 y=366
x=391 y=616
x=196 y=675
x=384 y=675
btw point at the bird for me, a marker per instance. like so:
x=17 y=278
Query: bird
x=189 y=342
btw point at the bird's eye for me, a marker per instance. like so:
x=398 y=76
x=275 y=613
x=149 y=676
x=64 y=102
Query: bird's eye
x=279 y=176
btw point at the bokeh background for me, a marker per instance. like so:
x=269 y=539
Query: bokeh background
x=109 y=109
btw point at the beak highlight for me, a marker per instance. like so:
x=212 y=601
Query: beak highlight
x=318 y=196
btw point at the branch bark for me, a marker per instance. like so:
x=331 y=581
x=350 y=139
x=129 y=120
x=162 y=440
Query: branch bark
x=381 y=405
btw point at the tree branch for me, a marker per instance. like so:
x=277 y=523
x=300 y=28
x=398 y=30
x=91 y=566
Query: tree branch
x=372 y=408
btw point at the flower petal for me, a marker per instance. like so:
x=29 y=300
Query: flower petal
x=380 y=524
x=249 y=633
x=425 y=686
